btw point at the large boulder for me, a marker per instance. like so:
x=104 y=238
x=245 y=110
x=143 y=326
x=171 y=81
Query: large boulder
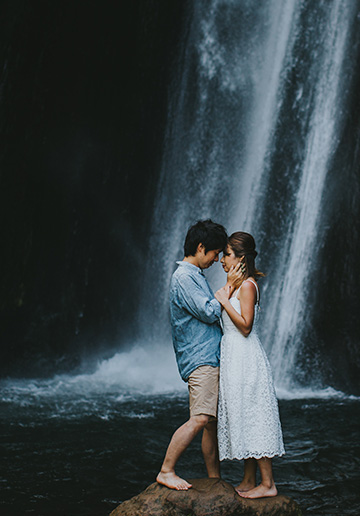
x=208 y=496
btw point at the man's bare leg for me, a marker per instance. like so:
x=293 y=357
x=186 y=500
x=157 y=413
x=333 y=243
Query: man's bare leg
x=178 y=444
x=209 y=446
x=249 y=480
x=267 y=486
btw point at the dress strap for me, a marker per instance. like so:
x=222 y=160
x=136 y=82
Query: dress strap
x=235 y=293
x=257 y=290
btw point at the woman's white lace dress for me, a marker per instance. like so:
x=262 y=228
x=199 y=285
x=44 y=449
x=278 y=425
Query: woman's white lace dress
x=248 y=415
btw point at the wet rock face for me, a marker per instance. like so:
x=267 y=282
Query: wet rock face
x=207 y=497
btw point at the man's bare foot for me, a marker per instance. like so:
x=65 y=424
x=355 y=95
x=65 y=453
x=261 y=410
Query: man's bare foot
x=244 y=487
x=172 y=481
x=260 y=491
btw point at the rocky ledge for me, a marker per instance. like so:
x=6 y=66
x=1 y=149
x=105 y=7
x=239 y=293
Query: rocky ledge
x=208 y=496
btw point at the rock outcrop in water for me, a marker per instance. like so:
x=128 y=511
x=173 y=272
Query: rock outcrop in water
x=207 y=496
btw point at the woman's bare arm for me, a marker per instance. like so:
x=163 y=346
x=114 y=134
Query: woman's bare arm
x=243 y=322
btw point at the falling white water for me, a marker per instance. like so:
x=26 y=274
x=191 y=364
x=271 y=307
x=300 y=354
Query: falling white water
x=220 y=126
x=288 y=316
x=234 y=75
x=269 y=75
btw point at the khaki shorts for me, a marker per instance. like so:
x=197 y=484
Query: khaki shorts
x=203 y=385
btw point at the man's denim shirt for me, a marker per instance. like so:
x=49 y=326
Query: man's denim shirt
x=195 y=316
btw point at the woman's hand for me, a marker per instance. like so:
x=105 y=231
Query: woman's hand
x=234 y=275
x=223 y=294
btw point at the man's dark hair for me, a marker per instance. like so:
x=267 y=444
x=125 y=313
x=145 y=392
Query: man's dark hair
x=206 y=232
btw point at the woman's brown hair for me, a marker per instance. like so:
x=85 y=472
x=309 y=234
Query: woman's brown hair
x=243 y=244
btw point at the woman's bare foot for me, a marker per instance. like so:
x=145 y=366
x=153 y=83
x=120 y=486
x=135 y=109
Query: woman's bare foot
x=172 y=481
x=260 y=491
x=244 y=487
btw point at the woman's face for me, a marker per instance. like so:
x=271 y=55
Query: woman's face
x=228 y=259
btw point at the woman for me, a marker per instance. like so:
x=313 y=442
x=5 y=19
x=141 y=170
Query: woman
x=248 y=417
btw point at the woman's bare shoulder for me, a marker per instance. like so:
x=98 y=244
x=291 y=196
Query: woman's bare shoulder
x=248 y=288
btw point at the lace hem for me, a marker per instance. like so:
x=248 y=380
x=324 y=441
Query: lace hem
x=253 y=456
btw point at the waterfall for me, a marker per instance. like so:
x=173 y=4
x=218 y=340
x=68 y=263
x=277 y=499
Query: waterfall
x=290 y=286
x=212 y=161
x=257 y=103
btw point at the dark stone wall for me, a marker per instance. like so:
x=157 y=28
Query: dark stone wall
x=84 y=93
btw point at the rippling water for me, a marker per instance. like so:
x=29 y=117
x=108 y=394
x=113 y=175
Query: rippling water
x=81 y=445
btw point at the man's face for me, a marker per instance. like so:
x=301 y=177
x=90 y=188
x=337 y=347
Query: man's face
x=206 y=260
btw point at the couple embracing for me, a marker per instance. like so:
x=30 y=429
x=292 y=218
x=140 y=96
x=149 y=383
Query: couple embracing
x=231 y=393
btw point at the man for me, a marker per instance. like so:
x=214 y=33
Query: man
x=196 y=332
